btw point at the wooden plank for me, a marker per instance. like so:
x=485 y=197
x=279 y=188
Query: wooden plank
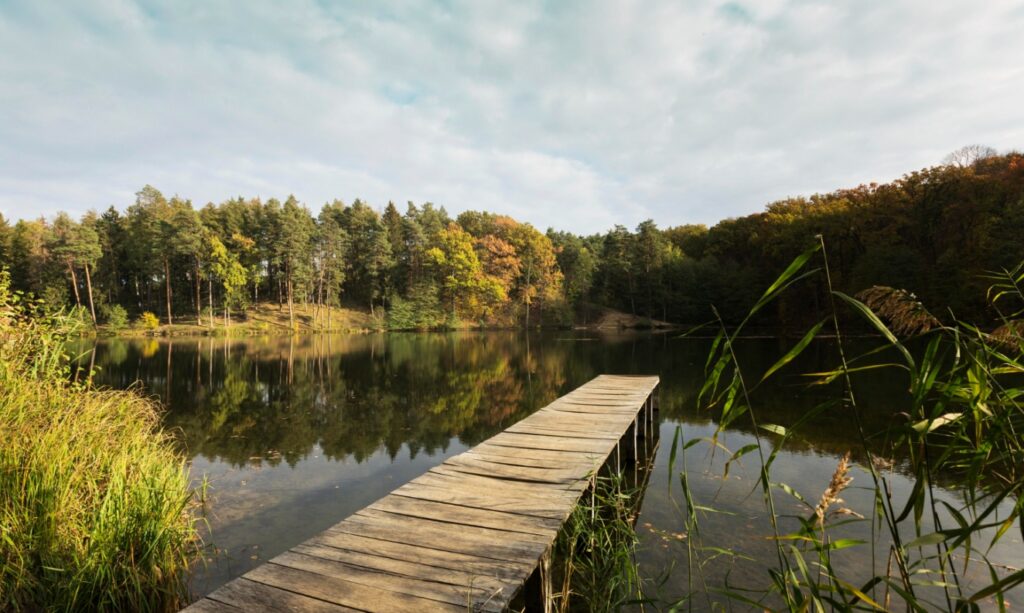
x=457 y=541
x=212 y=606
x=518 y=458
x=248 y=595
x=468 y=597
x=483 y=500
x=476 y=466
x=402 y=568
x=427 y=556
x=554 y=443
x=444 y=476
x=409 y=522
x=342 y=592
x=561 y=432
x=556 y=455
x=466 y=515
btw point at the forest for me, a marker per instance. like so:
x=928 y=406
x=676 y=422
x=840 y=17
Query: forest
x=935 y=232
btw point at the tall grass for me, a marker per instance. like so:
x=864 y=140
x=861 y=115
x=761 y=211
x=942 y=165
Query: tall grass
x=597 y=549
x=965 y=423
x=93 y=498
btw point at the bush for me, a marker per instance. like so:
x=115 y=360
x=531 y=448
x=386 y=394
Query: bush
x=93 y=496
x=114 y=316
x=149 y=321
x=422 y=311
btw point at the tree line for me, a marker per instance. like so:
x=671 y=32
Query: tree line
x=935 y=232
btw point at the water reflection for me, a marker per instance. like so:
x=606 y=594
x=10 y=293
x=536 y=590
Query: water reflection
x=296 y=433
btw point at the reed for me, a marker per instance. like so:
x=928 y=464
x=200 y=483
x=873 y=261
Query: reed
x=965 y=422
x=94 y=500
x=596 y=550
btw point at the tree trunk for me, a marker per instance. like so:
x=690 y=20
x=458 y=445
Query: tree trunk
x=167 y=283
x=74 y=283
x=88 y=286
x=199 y=296
x=212 y=312
x=291 y=307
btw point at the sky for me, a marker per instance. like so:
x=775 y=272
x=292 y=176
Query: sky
x=573 y=115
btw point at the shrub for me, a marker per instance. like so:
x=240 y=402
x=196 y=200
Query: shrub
x=149 y=321
x=93 y=496
x=114 y=316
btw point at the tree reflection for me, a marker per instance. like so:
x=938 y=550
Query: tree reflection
x=272 y=400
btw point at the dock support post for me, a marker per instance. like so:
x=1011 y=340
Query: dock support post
x=537 y=590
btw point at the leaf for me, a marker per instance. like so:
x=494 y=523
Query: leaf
x=775 y=429
x=927 y=425
x=795 y=350
x=742 y=451
x=933 y=538
x=844 y=544
x=795 y=494
x=791 y=270
x=1000 y=586
x=873 y=319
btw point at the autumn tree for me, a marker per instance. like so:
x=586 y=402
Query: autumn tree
x=466 y=286
x=539 y=281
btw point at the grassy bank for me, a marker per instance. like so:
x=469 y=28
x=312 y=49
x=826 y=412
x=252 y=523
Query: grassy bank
x=93 y=499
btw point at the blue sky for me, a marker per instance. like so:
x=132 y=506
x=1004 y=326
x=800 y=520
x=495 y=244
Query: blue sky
x=577 y=115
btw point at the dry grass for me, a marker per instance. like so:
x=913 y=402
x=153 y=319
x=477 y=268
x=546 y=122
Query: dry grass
x=906 y=315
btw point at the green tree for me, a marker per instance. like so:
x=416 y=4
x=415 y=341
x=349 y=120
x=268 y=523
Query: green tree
x=147 y=255
x=185 y=237
x=225 y=267
x=651 y=251
x=75 y=246
x=370 y=253
x=293 y=249
x=332 y=247
x=578 y=263
x=6 y=235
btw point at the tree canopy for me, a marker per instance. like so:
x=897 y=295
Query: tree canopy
x=934 y=232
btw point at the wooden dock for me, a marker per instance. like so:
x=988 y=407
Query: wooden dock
x=468 y=535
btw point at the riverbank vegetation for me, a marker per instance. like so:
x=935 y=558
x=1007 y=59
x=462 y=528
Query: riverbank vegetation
x=961 y=429
x=93 y=498
x=933 y=232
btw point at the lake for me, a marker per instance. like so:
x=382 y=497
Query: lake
x=295 y=433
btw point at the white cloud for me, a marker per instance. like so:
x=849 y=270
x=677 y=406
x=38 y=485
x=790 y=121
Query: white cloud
x=573 y=115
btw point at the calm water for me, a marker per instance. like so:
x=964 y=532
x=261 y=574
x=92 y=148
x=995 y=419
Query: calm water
x=294 y=434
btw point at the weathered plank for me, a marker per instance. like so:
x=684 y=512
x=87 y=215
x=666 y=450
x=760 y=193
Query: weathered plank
x=465 y=515
x=403 y=584
x=247 y=595
x=465 y=535
x=427 y=556
x=402 y=568
x=342 y=592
